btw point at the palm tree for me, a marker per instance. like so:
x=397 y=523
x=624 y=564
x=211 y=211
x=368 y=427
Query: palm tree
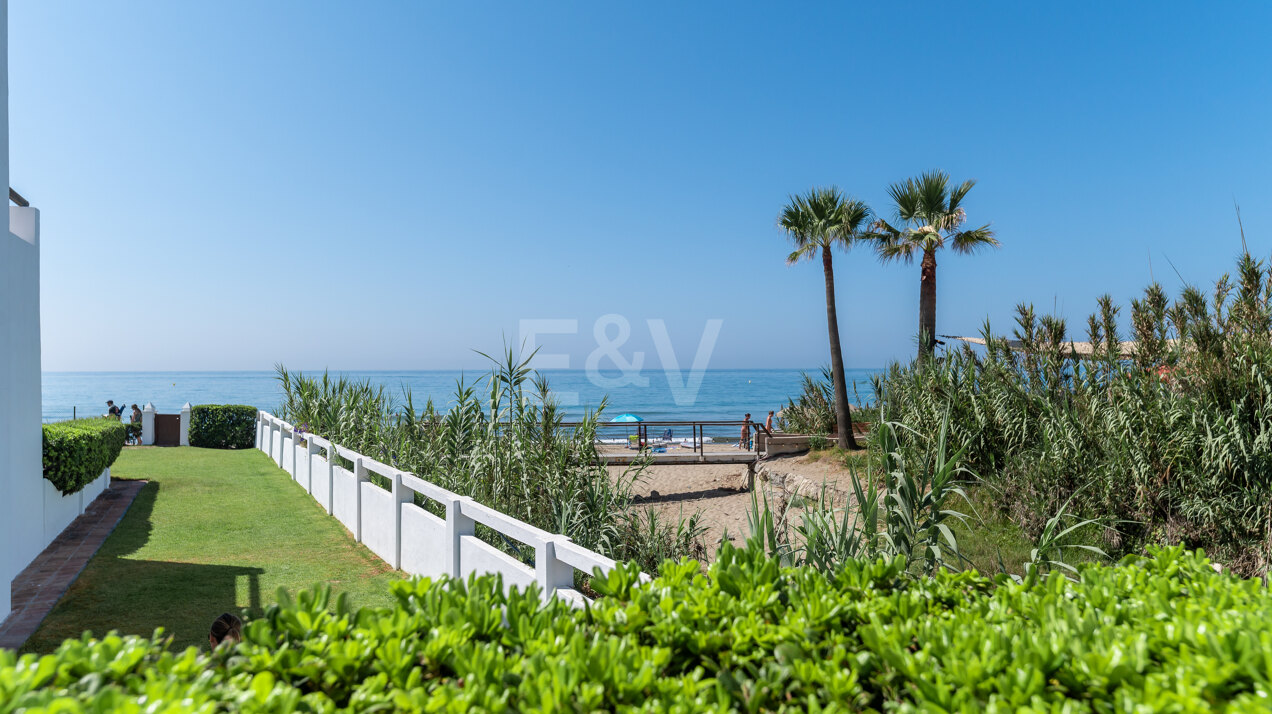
x=931 y=214
x=818 y=221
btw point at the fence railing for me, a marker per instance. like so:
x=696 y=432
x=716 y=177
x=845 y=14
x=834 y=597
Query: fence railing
x=409 y=537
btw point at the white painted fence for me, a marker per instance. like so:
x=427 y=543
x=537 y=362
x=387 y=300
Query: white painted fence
x=407 y=536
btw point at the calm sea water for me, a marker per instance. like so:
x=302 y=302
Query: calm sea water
x=721 y=395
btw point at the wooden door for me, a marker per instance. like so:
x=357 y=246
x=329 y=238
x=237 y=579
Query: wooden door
x=167 y=430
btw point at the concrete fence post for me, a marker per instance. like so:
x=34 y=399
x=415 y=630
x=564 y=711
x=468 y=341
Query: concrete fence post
x=260 y=424
x=148 y=425
x=185 y=424
x=360 y=474
x=311 y=450
x=457 y=526
x=331 y=478
x=401 y=496
x=549 y=572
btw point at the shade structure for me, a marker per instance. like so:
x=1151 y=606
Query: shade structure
x=626 y=417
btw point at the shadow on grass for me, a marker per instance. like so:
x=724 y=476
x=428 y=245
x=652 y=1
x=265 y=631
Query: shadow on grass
x=115 y=592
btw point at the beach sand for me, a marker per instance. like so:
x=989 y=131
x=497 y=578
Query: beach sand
x=717 y=490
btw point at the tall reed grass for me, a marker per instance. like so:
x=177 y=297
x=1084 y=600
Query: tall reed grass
x=1169 y=438
x=502 y=442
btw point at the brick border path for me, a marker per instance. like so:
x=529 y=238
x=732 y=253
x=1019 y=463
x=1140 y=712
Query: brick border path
x=38 y=588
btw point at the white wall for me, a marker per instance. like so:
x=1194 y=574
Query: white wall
x=21 y=467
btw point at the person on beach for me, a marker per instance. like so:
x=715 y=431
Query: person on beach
x=226 y=628
x=745 y=441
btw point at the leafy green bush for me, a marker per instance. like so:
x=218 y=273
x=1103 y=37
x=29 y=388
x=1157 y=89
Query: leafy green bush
x=76 y=452
x=223 y=426
x=1164 y=633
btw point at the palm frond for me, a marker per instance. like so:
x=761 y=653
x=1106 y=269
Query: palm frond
x=970 y=241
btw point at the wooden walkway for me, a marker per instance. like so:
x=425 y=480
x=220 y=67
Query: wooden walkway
x=710 y=457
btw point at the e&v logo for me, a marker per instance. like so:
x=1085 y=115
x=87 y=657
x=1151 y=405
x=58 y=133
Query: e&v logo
x=610 y=333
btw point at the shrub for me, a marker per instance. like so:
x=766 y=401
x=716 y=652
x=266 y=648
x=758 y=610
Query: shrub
x=223 y=426
x=76 y=452
x=1164 y=633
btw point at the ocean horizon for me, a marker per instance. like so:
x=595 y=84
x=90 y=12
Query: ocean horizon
x=721 y=394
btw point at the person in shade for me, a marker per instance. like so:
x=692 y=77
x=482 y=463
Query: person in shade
x=226 y=628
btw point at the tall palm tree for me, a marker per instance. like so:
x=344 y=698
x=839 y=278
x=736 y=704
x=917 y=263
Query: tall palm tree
x=816 y=222
x=930 y=214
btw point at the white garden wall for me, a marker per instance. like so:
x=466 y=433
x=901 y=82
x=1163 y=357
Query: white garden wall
x=407 y=536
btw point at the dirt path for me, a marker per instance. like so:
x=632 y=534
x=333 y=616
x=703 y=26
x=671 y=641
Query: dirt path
x=719 y=492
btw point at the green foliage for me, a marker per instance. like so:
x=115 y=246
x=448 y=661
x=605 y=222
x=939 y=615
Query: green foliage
x=502 y=443
x=908 y=517
x=1163 y=633
x=223 y=426
x=76 y=452
x=1169 y=439
x=814 y=411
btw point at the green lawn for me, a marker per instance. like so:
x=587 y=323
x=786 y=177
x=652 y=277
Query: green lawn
x=213 y=531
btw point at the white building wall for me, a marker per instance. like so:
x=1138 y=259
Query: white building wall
x=21 y=467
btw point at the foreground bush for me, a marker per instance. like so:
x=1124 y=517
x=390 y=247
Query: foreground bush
x=76 y=452
x=223 y=426
x=1164 y=633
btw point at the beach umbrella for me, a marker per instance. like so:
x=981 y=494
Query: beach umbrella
x=626 y=418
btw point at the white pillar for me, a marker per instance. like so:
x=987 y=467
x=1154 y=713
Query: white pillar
x=148 y=425
x=185 y=424
x=360 y=474
x=458 y=525
x=549 y=572
x=401 y=495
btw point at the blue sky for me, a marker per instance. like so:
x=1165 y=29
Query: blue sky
x=229 y=185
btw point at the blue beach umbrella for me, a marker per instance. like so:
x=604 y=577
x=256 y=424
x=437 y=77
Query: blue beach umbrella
x=626 y=418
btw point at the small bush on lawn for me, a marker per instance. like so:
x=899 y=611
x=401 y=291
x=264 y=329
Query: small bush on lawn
x=76 y=452
x=1163 y=633
x=223 y=426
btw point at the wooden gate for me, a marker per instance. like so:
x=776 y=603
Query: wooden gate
x=167 y=430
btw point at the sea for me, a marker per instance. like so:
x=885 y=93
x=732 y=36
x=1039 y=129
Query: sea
x=714 y=395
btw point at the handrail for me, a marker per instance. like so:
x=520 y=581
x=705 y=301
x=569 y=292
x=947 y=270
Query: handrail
x=18 y=199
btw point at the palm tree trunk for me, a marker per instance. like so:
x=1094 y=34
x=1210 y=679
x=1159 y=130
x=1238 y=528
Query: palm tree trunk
x=843 y=415
x=927 y=305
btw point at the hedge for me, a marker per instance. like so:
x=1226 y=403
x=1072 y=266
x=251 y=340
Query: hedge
x=76 y=452
x=223 y=426
x=1162 y=633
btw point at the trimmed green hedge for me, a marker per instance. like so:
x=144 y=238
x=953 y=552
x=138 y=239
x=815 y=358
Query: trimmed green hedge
x=223 y=426
x=1164 y=633
x=76 y=452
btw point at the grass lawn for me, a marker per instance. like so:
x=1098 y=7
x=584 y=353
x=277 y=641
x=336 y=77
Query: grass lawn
x=214 y=531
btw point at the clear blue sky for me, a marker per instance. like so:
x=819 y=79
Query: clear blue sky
x=390 y=184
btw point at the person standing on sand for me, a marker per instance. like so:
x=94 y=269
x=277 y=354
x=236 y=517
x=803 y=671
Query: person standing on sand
x=745 y=441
